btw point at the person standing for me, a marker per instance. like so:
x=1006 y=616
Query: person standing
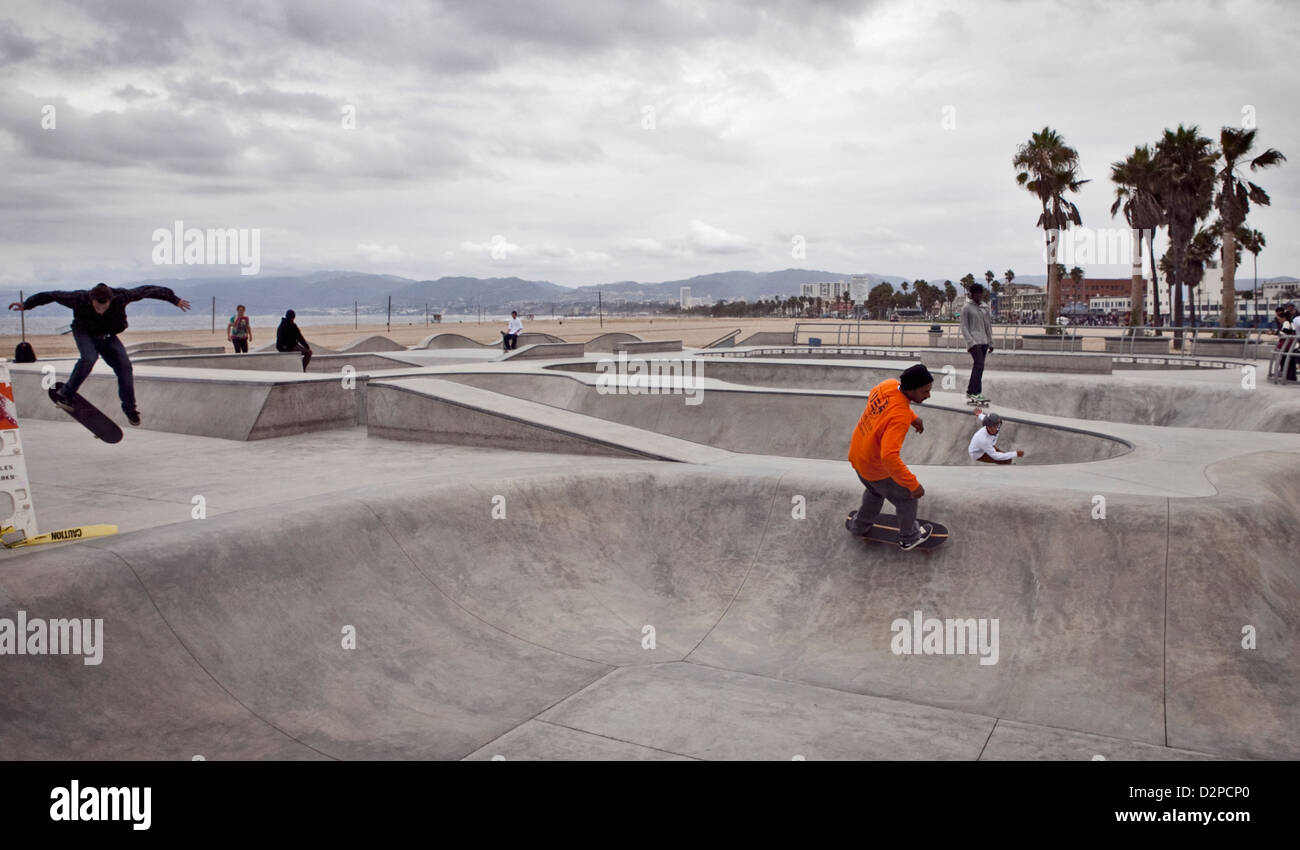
x=876 y=455
x=98 y=316
x=239 y=331
x=977 y=330
x=289 y=338
x=510 y=339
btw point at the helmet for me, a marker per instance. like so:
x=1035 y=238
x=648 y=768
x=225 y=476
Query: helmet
x=992 y=419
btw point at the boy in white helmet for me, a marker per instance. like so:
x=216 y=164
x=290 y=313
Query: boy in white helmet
x=983 y=446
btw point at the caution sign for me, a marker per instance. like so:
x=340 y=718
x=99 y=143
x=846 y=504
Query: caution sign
x=17 y=513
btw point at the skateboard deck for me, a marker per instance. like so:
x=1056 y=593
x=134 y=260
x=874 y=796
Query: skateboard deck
x=87 y=414
x=885 y=530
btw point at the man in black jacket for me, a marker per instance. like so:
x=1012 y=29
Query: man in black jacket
x=289 y=338
x=98 y=316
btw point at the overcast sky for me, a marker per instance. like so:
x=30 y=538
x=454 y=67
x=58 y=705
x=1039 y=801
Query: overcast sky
x=605 y=141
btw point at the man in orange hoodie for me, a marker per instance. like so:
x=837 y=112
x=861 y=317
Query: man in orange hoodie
x=876 y=455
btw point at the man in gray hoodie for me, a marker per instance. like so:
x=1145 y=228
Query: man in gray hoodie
x=977 y=330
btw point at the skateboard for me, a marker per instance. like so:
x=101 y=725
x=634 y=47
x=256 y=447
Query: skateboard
x=89 y=415
x=978 y=403
x=885 y=530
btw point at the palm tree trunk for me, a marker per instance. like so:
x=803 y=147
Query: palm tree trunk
x=1053 y=281
x=1229 y=307
x=1135 y=291
x=1155 y=278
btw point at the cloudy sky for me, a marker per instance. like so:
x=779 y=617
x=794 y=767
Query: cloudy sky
x=580 y=141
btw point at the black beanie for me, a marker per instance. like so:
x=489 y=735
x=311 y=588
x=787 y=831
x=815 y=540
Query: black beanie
x=915 y=377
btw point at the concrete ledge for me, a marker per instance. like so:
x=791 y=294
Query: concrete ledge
x=224 y=406
x=768 y=338
x=438 y=411
x=277 y=361
x=151 y=348
x=1021 y=361
x=546 y=350
x=648 y=346
x=374 y=342
x=606 y=342
x=1053 y=342
x=1137 y=345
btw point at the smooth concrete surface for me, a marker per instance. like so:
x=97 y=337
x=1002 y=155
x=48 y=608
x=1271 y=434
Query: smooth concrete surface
x=373 y=342
x=544 y=350
x=606 y=342
x=277 y=361
x=230 y=404
x=501 y=598
x=797 y=423
x=1204 y=398
x=147 y=348
x=773 y=632
x=648 y=346
x=999 y=360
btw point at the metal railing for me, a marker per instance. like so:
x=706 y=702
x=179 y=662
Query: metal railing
x=1282 y=363
x=722 y=339
x=1010 y=336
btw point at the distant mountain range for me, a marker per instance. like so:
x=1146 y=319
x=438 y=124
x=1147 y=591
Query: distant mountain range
x=335 y=291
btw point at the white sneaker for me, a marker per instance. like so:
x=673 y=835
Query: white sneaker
x=925 y=535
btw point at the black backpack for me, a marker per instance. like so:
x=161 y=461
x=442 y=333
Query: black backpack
x=24 y=353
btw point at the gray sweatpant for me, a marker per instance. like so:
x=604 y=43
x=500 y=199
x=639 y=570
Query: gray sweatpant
x=874 y=499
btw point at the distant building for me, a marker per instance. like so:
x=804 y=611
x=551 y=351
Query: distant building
x=685 y=297
x=826 y=290
x=1094 y=287
x=1109 y=304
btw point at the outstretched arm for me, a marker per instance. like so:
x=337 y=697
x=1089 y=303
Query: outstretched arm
x=162 y=293
x=68 y=298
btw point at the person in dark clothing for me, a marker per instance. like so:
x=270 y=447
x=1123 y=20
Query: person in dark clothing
x=98 y=316
x=289 y=338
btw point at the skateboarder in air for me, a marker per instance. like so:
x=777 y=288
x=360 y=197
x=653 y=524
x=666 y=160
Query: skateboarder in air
x=875 y=455
x=289 y=338
x=98 y=316
x=977 y=330
x=983 y=446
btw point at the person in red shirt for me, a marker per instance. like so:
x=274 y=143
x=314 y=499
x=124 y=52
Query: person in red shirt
x=876 y=455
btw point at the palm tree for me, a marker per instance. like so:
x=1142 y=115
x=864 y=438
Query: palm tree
x=1076 y=275
x=1233 y=203
x=1049 y=168
x=1253 y=241
x=1134 y=180
x=949 y=293
x=1009 y=275
x=968 y=281
x=1184 y=180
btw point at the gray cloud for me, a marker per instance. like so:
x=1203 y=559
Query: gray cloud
x=529 y=120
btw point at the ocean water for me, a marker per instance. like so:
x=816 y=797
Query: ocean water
x=53 y=318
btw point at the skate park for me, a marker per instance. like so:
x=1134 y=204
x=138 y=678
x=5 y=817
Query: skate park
x=499 y=530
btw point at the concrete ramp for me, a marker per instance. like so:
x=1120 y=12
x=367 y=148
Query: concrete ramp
x=606 y=342
x=230 y=404
x=790 y=424
x=374 y=342
x=524 y=634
